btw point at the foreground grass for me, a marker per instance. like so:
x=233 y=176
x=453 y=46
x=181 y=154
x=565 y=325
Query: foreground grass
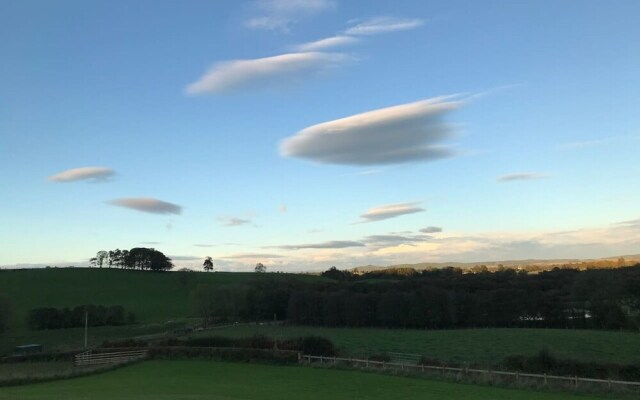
x=212 y=380
x=466 y=345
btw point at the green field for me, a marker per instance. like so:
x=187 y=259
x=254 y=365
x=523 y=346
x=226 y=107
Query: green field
x=466 y=345
x=196 y=380
x=155 y=298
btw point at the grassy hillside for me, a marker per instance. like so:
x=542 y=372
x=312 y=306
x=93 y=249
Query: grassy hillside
x=211 y=380
x=151 y=296
x=470 y=345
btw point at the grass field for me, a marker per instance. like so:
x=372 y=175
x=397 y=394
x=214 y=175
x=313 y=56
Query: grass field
x=475 y=345
x=196 y=380
x=154 y=297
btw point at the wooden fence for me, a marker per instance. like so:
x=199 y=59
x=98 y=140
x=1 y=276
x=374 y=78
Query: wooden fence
x=489 y=375
x=118 y=357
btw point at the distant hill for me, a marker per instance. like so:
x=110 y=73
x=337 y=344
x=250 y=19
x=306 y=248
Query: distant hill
x=528 y=264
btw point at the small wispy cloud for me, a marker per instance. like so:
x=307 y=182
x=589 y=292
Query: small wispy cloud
x=374 y=26
x=327 y=43
x=282 y=69
x=390 y=211
x=250 y=256
x=151 y=243
x=233 y=221
x=280 y=15
x=410 y=132
x=521 y=176
x=334 y=244
x=431 y=229
x=282 y=209
x=93 y=174
x=184 y=258
x=148 y=205
x=204 y=245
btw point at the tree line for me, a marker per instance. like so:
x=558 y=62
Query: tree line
x=141 y=258
x=61 y=318
x=438 y=299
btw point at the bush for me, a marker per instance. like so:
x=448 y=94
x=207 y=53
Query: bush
x=228 y=354
x=53 y=318
x=124 y=343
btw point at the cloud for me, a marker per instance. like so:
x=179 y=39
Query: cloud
x=233 y=221
x=431 y=229
x=379 y=25
x=94 y=174
x=282 y=209
x=334 y=244
x=251 y=256
x=148 y=205
x=260 y=72
x=390 y=211
x=524 y=176
x=151 y=243
x=326 y=43
x=406 y=133
x=279 y=15
x=394 y=240
x=204 y=245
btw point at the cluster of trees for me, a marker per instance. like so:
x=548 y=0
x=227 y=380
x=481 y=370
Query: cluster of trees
x=437 y=299
x=141 y=258
x=55 y=318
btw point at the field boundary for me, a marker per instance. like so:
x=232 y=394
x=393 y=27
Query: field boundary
x=489 y=375
x=90 y=357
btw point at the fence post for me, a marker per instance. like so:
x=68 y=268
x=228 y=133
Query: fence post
x=576 y=387
x=367 y=363
x=422 y=367
x=517 y=377
x=609 y=383
x=545 y=379
x=383 y=365
x=321 y=359
x=334 y=361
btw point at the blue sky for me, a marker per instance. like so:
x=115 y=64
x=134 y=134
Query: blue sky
x=310 y=133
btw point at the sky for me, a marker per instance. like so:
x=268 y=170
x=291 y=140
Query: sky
x=306 y=134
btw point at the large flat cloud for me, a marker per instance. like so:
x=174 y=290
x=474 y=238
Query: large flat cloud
x=148 y=205
x=390 y=211
x=431 y=229
x=263 y=72
x=406 y=133
x=334 y=244
x=94 y=174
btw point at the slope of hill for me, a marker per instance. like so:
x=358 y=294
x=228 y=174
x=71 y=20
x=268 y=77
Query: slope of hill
x=151 y=296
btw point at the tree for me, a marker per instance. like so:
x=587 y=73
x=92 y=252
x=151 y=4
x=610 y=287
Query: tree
x=4 y=313
x=208 y=264
x=101 y=257
x=260 y=268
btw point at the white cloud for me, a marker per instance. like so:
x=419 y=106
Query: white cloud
x=390 y=211
x=282 y=209
x=327 y=43
x=282 y=69
x=233 y=221
x=148 y=205
x=379 y=25
x=95 y=174
x=406 y=133
x=280 y=15
x=521 y=176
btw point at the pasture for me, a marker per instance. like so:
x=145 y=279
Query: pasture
x=486 y=346
x=199 y=380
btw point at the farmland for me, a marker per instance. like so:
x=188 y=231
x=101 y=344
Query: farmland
x=465 y=345
x=213 y=380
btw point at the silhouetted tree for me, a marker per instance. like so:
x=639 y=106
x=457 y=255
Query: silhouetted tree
x=260 y=268
x=208 y=264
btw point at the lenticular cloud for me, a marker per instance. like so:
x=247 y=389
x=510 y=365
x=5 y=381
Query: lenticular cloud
x=412 y=132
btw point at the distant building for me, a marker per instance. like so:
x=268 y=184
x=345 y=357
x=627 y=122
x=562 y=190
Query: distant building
x=27 y=349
